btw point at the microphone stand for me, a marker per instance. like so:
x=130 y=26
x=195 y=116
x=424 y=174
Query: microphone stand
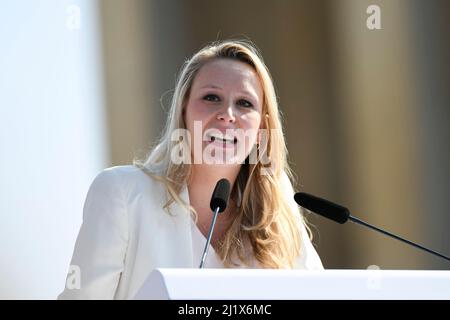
x=358 y=221
x=211 y=228
x=340 y=214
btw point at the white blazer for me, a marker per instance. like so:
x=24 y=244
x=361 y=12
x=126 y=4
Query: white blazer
x=126 y=234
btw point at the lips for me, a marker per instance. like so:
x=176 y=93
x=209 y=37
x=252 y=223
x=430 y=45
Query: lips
x=223 y=139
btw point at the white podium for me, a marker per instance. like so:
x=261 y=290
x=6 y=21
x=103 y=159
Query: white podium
x=264 y=284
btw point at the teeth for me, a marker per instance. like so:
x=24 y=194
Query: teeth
x=232 y=140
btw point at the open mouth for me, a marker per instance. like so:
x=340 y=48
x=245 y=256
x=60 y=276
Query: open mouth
x=225 y=140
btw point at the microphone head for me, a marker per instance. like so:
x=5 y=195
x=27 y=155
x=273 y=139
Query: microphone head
x=323 y=207
x=220 y=195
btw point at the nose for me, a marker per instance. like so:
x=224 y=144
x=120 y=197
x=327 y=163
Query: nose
x=226 y=114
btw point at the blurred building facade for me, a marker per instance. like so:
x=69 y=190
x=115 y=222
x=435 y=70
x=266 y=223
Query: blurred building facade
x=366 y=111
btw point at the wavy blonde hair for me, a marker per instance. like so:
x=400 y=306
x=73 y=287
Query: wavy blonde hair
x=264 y=216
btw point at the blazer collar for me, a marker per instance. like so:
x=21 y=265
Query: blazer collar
x=182 y=231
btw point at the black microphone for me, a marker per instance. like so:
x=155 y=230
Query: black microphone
x=219 y=201
x=341 y=215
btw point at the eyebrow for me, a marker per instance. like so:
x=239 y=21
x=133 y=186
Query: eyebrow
x=211 y=86
x=245 y=92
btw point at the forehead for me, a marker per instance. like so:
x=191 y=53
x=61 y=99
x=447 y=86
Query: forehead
x=228 y=73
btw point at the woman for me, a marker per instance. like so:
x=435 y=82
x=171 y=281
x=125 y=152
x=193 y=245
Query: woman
x=223 y=123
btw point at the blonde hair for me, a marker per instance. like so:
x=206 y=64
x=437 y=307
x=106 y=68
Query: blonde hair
x=264 y=216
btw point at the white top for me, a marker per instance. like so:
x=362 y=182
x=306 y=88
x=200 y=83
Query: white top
x=212 y=258
x=126 y=234
x=198 y=245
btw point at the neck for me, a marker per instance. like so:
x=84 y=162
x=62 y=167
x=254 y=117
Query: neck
x=204 y=179
x=201 y=186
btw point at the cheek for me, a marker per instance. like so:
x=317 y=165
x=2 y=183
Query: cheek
x=251 y=121
x=197 y=112
x=190 y=115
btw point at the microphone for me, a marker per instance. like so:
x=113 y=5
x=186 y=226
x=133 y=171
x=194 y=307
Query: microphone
x=341 y=215
x=219 y=201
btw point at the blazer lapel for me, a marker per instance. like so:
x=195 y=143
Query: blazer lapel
x=179 y=228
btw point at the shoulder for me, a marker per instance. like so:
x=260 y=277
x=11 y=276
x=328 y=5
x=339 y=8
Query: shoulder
x=285 y=182
x=128 y=180
x=123 y=173
x=308 y=258
x=127 y=175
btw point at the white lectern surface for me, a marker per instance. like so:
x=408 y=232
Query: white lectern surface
x=264 y=284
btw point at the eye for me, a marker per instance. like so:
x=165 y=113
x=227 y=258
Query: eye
x=211 y=98
x=245 y=103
